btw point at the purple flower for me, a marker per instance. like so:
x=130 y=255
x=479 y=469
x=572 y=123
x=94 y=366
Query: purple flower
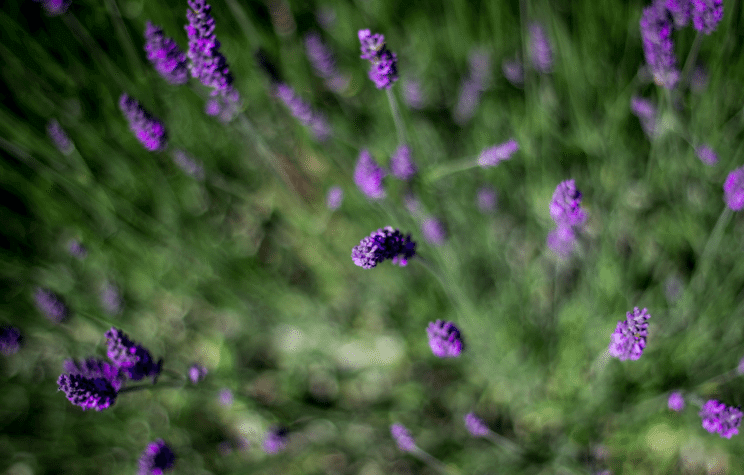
x=386 y=243
x=706 y=155
x=467 y=101
x=275 y=440
x=88 y=393
x=384 y=68
x=475 y=425
x=55 y=7
x=10 y=340
x=132 y=358
x=740 y=367
x=323 y=63
x=165 y=55
x=51 y=305
x=302 y=111
x=197 y=373
x=59 y=137
x=444 y=339
x=412 y=94
x=226 y=397
x=680 y=11
x=486 y=199
x=77 y=249
x=402 y=438
x=676 y=402
x=207 y=63
x=562 y=241
x=721 y=419
x=629 y=338
x=334 y=197
x=401 y=165
x=491 y=157
x=733 y=189
x=189 y=166
x=93 y=368
x=565 y=207
x=656 y=33
x=541 y=54
x=148 y=130
x=513 y=71
x=433 y=231
x=646 y=113
x=368 y=176
x=110 y=298
x=706 y=14
x=156 y=459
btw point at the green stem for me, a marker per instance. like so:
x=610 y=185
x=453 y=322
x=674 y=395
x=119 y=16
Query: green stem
x=396 y=117
x=445 y=169
x=502 y=441
x=430 y=461
x=690 y=61
x=713 y=241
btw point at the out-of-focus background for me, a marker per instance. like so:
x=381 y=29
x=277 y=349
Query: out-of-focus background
x=229 y=257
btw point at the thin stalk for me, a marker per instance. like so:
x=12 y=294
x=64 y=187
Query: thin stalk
x=396 y=117
x=445 y=169
x=124 y=38
x=502 y=441
x=713 y=241
x=430 y=461
x=690 y=61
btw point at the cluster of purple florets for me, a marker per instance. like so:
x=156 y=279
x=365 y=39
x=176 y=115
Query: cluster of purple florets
x=569 y=217
x=383 y=244
x=384 y=68
x=148 y=130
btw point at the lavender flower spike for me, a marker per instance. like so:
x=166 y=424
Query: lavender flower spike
x=197 y=373
x=88 y=393
x=401 y=165
x=384 y=68
x=368 y=176
x=163 y=52
x=706 y=14
x=629 y=338
x=10 y=340
x=565 y=207
x=59 y=137
x=386 y=243
x=706 y=155
x=475 y=425
x=541 y=53
x=680 y=11
x=148 y=130
x=156 y=459
x=656 y=33
x=55 y=7
x=433 y=231
x=402 y=438
x=733 y=189
x=676 y=402
x=334 y=197
x=302 y=111
x=491 y=157
x=324 y=64
x=721 y=419
x=51 y=305
x=133 y=359
x=444 y=339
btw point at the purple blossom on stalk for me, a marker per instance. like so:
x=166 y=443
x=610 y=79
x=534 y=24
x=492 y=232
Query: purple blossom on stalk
x=10 y=340
x=733 y=189
x=133 y=359
x=148 y=130
x=302 y=111
x=165 y=55
x=706 y=14
x=59 y=137
x=401 y=165
x=55 y=7
x=383 y=244
x=486 y=199
x=197 y=373
x=93 y=368
x=88 y=393
x=444 y=339
x=491 y=157
x=513 y=71
x=402 y=438
x=565 y=207
x=189 y=165
x=384 y=68
x=156 y=459
x=646 y=113
x=475 y=425
x=368 y=176
x=629 y=338
x=680 y=11
x=467 y=101
x=676 y=402
x=721 y=419
x=706 y=155
x=275 y=440
x=412 y=94
x=51 y=305
x=334 y=197
x=323 y=62
x=541 y=53
x=656 y=33
x=433 y=231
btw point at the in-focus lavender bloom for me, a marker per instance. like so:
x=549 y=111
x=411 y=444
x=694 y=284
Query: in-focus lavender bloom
x=402 y=438
x=93 y=368
x=733 y=189
x=368 y=176
x=110 y=298
x=10 y=340
x=148 y=130
x=88 y=393
x=156 y=459
x=656 y=33
x=384 y=68
x=433 y=231
x=55 y=7
x=721 y=419
x=133 y=359
x=562 y=241
x=513 y=71
x=189 y=165
x=467 y=101
x=334 y=197
x=275 y=440
x=475 y=425
x=646 y=113
x=401 y=165
x=541 y=54
x=323 y=62
x=386 y=243
x=197 y=373
x=51 y=305
x=444 y=339
x=412 y=94
x=486 y=199
x=565 y=207
x=706 y=14
x=706 y=155
x=629 y=338
x=77 y=249
x=680 y=11
x=302 y=111
x=165 y=55
x=59 y=137
x=491 y=157
x=676 y=402
x=206 y=62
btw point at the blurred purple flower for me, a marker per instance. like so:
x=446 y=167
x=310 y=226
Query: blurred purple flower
x=565 y=207
x=10 y=340
x=467 y=101
x=401 y=165
x=334 y=197
x=475 y=425
x=323 y=62
x=646 y=113
x=133 y=359
x=148 y=130
x=698 y=79
x=541 y=53
x=383 y=244
x=629 y=338
x=433 y=231
x=733 y=189
x=55 y=7
x=721 y=419
x=275 y=440
x=165 y=55
x=676 y=402
x=51 y=305
x=706 y=14
x=368 y=176
x=156 y=459
x=77 y=249
x=491 y=157
x=740 y=367
x=226 y=397
x=656 y=33
x=480 y=67
x=706 y=155
x=444 y=339
x=562 y=241
x=197 y=373
x=110 y=298
x=384 y=69
x=189 y=165
x=412 y=204
x=412 y=94
x=680 y=11
x=402 y=438
x=59 y=137
x=302 y=111
x=486 y=199
x=513 y=71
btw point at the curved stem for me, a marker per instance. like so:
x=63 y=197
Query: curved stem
x=396 y=117
x=449 y=168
